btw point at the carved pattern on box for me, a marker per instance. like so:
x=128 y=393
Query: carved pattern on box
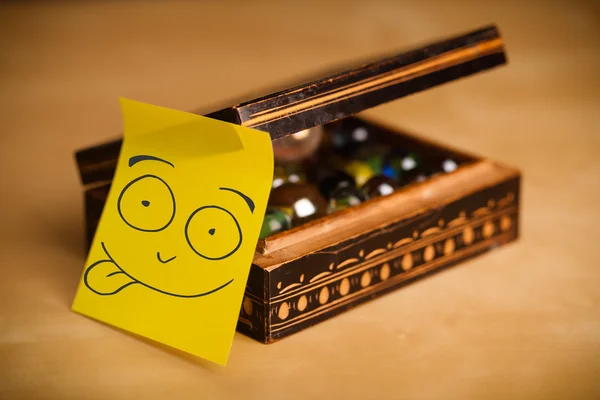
x=343 y=282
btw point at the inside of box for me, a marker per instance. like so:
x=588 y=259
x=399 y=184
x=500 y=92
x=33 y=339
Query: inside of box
x=301 y=205
x=343 y=165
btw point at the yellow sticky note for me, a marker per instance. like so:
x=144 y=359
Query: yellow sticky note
x=175 y=242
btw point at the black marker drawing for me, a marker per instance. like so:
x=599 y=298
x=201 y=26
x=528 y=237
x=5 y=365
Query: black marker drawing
x=136 y=159
x=134 y=281
x=164 y=261
x=212 y=231
x=247 y=199
x=146 y=203
x=108 y=268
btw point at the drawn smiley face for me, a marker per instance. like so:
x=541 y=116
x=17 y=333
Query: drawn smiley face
x=166 y=244
x=174 y=245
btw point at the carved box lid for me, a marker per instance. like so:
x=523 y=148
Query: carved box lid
x=339 y=95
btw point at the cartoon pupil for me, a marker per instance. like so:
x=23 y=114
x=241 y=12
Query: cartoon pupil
x=134 y=207
x=205 y=247
x=147 y=204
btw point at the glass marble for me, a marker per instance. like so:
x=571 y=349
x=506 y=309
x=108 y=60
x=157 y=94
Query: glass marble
x=288 y=173
x=298 y=146
x=346 y=136
x=424 y=175
x=345 y=197
x=337 y=136
x=428 y=171
x=302 y=201
x=276 y=220
x=403 y=168
x=374 y=155
x=360 y=171
x=327 y=179
x=449 y=165
x=379 y=186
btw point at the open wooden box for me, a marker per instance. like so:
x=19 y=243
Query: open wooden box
x=314 y=271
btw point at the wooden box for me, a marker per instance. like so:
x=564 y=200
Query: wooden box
x=317 y=270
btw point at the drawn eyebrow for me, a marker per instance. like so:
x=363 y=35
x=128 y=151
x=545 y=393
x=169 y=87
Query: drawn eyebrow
x=136 y=159
x=247 y=199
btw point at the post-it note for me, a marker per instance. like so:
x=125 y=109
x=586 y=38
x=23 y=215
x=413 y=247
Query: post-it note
x=173 y=248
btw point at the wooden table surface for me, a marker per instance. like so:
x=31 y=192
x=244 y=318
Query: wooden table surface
x=521 y=322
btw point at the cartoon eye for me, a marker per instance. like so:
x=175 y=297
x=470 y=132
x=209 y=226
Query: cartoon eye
x=213 y=232
x=147 y=204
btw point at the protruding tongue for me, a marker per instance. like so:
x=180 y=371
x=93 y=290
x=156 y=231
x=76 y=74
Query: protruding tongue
x=105 y=278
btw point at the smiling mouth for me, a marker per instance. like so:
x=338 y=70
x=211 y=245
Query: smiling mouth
x=121 y=279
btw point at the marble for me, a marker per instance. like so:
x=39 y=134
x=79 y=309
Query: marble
x=360 y=171
x=404 y=167
x=288 y=173
x=345 y=137
x=276 y=220
x=449 y=165
x=302 y=201
x=298 y=146
x=327 y=179
x=374 y=155
x=345 y=197
x=378 y=186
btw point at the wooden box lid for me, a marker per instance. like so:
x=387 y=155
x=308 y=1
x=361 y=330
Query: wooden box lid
x=339 y=95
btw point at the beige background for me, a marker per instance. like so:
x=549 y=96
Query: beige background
x=520 y=322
